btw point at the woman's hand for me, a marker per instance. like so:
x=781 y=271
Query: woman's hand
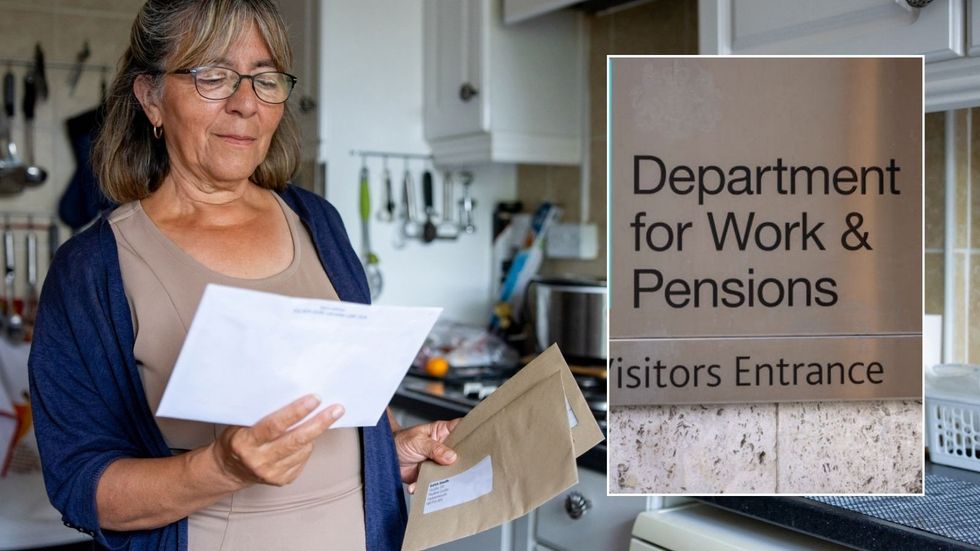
x=416 y=444
x=270 y=452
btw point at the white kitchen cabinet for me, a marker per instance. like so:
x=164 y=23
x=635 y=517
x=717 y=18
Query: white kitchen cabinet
x=973 y=29
x=945 y=32
x=831 y=27
x=496 y=93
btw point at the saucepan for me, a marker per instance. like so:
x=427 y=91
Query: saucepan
x=572 y=312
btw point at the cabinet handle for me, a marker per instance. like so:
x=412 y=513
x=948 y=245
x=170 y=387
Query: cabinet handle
x=467 y=91
x=577 y=505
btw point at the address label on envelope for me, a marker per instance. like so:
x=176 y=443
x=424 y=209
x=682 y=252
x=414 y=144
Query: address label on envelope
x=458 y=489
x=249 y=353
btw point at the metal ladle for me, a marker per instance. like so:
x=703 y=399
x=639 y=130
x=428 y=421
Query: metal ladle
x=15 y=324
x=33 y=174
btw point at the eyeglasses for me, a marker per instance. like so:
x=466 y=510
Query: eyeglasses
x=218 y=83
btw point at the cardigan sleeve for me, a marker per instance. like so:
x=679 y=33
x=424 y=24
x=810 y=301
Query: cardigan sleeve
x=77 y=422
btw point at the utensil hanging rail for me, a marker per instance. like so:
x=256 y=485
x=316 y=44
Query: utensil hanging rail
x=61 y=65
x=25 y=220
x=389 y=154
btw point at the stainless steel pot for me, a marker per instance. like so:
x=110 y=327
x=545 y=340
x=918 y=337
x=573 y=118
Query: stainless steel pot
x=571 y=312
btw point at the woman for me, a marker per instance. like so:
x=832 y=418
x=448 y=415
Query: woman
x=196 y=149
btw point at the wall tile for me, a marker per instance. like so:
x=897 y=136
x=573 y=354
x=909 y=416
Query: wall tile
x=962 y=144
x=935 y=179
x=120 y=7
x=973 y=186
x=691 y=449
x=961 y=271
x=971 y=296
x=934 y=283
x=532 y=186
x=850 y=447
x=660 y=27
x=6 y=6
x=564 y=183
x=600 y=43
x=21 y=28
x=107 y=37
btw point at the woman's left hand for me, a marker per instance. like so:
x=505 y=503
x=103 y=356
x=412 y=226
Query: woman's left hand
x=416 y=444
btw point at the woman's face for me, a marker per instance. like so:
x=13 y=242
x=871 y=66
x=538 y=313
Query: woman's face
x=217 y=142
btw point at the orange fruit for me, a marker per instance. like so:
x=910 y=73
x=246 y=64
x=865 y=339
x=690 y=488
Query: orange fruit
x=437 y=366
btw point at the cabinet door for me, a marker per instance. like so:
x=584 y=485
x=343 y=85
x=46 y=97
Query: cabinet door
x=453 y=37
x=973 y=28
x=831 y=27
x=607 y=524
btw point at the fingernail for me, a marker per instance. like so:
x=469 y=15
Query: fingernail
x=336 y=411
x=312 y=400
x=449 y=456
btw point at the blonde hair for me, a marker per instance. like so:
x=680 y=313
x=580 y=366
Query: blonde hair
x=174 y=34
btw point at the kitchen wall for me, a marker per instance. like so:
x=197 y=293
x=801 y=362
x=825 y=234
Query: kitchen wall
x=371 y=82
x=953 y=143
x=858 y=447
x=61 y=26
x=657 y=27
x=371 y=98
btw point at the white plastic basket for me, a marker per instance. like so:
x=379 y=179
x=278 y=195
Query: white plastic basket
x=954 y=433
x=953 y=421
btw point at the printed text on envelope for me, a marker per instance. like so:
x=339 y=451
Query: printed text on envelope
x=455 y=490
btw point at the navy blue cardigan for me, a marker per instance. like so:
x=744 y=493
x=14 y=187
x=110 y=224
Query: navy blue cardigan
x=88 y=401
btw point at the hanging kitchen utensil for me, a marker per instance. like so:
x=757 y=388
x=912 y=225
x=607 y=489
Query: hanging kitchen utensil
x=386 y=211
x=12 y=172
x=428 y=229
x=410 y=225
x=76 y=72
x=34 y=175
x=15 y=324
x=371 y=268
x=447 y=226
x=398 y=241
x=30 y=302
x=40 y=74
x=466 y=205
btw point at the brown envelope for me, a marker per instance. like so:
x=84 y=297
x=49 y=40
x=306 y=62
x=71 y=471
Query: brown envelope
x=516 y=450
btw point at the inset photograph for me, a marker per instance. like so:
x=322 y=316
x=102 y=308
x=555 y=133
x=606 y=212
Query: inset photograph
x=765 y=275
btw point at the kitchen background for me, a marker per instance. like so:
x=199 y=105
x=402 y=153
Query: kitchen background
x=361 y=68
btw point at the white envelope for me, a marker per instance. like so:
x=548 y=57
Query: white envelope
x=249 y=353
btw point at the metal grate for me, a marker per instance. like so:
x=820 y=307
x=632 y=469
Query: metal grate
x=949 y=508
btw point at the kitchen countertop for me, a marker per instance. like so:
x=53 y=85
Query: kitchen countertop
x=848 y=527
x=425 y=398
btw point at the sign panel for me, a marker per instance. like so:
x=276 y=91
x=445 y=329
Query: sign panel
x=766 y=197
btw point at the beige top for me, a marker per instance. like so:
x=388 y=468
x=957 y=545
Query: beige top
x=323 y=508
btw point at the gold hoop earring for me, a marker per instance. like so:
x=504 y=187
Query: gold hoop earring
x=157 y=132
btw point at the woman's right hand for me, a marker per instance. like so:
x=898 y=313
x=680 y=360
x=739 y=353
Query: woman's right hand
x=270 y=452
